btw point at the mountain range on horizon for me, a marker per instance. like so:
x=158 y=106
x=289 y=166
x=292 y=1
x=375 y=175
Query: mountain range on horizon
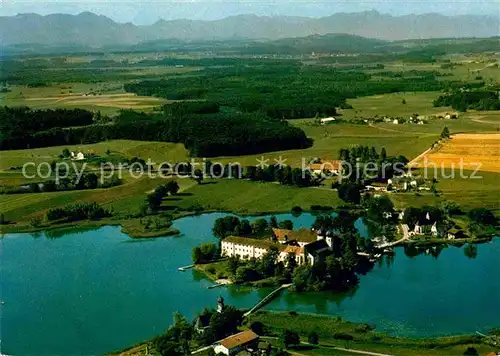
x=89 y=29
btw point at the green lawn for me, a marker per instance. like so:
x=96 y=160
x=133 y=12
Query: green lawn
x=245 y=197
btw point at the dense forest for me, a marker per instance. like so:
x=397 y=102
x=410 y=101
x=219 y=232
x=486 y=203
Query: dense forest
x=20 y=124
x=476 y=100
x=286 y=91
x=203 y=135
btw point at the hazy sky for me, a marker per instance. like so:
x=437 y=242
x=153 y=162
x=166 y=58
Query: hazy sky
x=149 y=11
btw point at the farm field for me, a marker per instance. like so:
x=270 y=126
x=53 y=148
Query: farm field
x=105 y=97
x=481 y=151
x=157 y=151
x=108 y=96
x=468 y=193
x=409 y=140
x=392 y=105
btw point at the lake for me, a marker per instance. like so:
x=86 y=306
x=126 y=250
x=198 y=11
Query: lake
x=91 y=292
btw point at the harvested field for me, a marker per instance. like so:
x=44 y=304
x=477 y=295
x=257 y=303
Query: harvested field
x=468 y=151
x=121 y=100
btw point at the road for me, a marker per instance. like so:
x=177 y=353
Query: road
x=416 y=159
x=406 y=236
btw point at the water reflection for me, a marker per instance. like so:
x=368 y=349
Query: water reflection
x=470 y=251
x=96 y=281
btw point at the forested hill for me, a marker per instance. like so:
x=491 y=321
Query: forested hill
x=203 y=130
x=97 y=31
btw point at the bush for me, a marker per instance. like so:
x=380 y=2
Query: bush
x=343 y=336
x=257 y=327
x=363 y=328
x=471 y=351
x=288 y=337
x=36 y=221
x=313 y=338
x=482 y=216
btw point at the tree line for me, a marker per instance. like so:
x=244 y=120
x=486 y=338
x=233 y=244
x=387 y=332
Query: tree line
x=207 y=135
x=463 y=100
x=80 y=211
x=18 y=124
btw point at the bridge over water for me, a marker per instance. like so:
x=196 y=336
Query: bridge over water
x=267 y=299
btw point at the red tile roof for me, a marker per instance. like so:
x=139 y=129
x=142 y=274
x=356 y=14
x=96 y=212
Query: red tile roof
x=302 y=235
x=239 y=339
x=282 y=234
x=294 y=249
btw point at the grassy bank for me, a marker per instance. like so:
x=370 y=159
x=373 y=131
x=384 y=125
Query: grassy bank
x=131 y=227
x=333 y=330
x=237 y=196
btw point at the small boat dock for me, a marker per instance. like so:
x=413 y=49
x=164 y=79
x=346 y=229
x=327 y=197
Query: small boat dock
x=182 y=269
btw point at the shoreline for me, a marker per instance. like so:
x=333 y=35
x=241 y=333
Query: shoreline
x=356 y=337
x=123 y=222
x=89 y=225
x=19 y=228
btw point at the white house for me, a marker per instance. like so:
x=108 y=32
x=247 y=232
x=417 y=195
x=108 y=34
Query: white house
x=236 y=343
x=77 y=156
x=434 y=230
x=319 y=249
x=395 y=121
x=387 y=215
x=306 y=245
x=247 y=248
x=417 y=230
x=413 y=183
x=327 y=120
x=452 y=234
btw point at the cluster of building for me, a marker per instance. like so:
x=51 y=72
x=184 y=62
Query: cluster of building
x=245 y=342
x=306 y=244
x=332 y=166
x=80 y=156
x=421 y=229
